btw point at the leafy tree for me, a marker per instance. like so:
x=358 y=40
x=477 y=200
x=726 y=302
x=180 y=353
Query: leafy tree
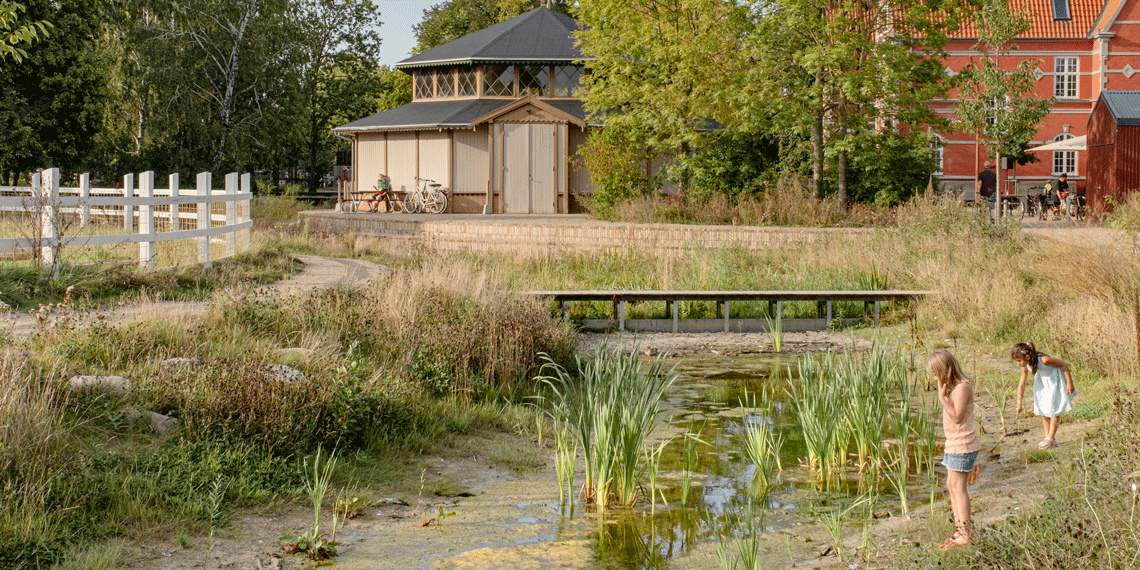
x=661 y=74
x=337 y=50
x=51 y=102
x=11 y=37
x=998 y=104
x=829 y=72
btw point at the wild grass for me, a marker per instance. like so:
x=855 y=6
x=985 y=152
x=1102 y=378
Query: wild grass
x=789 y=204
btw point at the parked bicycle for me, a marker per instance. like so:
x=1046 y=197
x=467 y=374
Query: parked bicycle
x=428 y=196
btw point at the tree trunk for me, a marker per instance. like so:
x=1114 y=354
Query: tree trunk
x=817 y=154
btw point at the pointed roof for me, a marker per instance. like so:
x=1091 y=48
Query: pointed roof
x=541 y=35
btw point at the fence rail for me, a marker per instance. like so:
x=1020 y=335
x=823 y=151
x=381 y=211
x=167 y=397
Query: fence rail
x=148 y=216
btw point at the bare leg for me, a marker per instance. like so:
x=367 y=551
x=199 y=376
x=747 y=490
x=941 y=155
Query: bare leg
x=1051 y=428
x=960 y=505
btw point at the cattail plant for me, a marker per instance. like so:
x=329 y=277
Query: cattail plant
x=610 y=405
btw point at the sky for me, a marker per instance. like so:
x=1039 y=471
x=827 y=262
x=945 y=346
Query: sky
x=398 y=17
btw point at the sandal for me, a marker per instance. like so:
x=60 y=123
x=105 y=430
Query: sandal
x=1047 y=443
x=961 y=536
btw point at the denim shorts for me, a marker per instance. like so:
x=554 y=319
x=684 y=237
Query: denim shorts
x=963 y=462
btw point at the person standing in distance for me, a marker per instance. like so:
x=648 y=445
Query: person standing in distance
x=987 y=186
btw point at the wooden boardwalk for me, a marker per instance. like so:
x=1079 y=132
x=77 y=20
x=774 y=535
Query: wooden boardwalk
x=724 y=322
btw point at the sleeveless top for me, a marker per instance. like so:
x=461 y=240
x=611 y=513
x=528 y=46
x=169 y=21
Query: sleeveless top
x=961 y=438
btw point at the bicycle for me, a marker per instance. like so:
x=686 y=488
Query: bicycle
x=428 y=196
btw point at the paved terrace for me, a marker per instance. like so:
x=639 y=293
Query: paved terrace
x=567 y=233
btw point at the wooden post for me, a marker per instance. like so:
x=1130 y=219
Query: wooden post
x=175 y=223
x=231 y=213
x=49 y=223
x=146 y=220
x=204 y=183
x=84 y=199
x=244 y=213
x=129 y=208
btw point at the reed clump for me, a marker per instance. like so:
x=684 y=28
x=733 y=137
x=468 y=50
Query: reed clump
x=610 y=405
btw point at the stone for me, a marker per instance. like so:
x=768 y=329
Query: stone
x=110 y=384
x=158 y=423
x=284 y=373
x=179 y=362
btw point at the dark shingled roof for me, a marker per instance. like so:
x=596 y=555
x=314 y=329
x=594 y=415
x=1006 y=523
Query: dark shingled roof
x=1124 y=106
x=434 y=114
x=541 y=35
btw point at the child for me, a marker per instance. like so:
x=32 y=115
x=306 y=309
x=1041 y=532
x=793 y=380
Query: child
x=956 y=394
x=1050 y=398
x=380 y=192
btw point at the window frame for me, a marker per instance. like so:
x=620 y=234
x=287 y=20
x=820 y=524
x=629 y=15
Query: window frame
x=1064 y=161
x=1066 y=77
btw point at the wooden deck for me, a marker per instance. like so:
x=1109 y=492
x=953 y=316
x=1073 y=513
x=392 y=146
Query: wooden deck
x=619 y=298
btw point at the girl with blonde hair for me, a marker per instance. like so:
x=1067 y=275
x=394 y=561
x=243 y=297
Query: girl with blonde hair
x=956 y=394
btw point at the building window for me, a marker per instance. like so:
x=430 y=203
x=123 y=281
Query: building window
x=1064 y=161
x=423 y=84
x=534 y=80
x=467 y=82
x=567 y=80
x=445 y=83
x=1065 y=77
x=498 y=80
x=938 y=145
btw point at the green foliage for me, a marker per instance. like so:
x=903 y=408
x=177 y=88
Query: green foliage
x=734 y=165
x=997 y=104
x=11 y=36
x=889 y=168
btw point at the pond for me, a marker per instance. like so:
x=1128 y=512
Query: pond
x=709 y=508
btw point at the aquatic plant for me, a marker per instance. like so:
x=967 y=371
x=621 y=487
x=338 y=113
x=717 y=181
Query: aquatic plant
x=761 y=444
x=817 y=404
x=610 y=403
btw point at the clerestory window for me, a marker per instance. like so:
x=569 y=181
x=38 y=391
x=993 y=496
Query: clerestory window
x=1065 y=77
x=498 y=80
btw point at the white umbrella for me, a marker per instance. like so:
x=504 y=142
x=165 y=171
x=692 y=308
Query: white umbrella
x=1074 y=143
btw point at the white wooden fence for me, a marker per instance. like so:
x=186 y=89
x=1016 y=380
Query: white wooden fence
x=186 y=213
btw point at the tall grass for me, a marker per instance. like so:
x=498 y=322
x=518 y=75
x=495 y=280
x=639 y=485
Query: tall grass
x=610 y=403
x=761 y=443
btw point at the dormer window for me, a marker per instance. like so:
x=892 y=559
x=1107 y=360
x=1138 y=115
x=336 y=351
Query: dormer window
x=1061 y=10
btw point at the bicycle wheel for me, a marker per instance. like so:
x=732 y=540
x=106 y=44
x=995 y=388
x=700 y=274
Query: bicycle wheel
x=412 y=202
x=437 y=202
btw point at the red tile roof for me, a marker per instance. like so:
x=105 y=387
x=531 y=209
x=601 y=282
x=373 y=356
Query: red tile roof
x=1084 y=14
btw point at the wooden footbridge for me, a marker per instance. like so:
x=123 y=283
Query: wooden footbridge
x=670 y=321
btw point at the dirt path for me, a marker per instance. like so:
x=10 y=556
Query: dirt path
x=319 y=273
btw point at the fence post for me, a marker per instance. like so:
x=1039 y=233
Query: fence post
x=246 y=214
x=84 y=200
x=49 y=223
x=146 y=220
x=231 y=213
x=128 y=208
x=204 y=183
x=174 y=202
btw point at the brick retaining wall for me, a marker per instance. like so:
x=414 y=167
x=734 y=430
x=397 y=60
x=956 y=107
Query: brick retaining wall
x=554 y=234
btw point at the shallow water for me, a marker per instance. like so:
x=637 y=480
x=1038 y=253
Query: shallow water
x=518 y=522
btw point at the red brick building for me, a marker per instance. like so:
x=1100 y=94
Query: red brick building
x=1081 y=48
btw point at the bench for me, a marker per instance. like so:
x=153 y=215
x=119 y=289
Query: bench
x=361 y=201
x=775 y=299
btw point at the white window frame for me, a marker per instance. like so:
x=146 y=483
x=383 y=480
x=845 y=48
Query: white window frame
x=939 y=145
x=1066 y=77
x=1064 y=161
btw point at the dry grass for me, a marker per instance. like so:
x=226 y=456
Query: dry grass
x=791 y=204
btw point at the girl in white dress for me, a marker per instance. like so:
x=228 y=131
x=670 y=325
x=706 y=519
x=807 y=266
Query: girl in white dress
x=1053 y=388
